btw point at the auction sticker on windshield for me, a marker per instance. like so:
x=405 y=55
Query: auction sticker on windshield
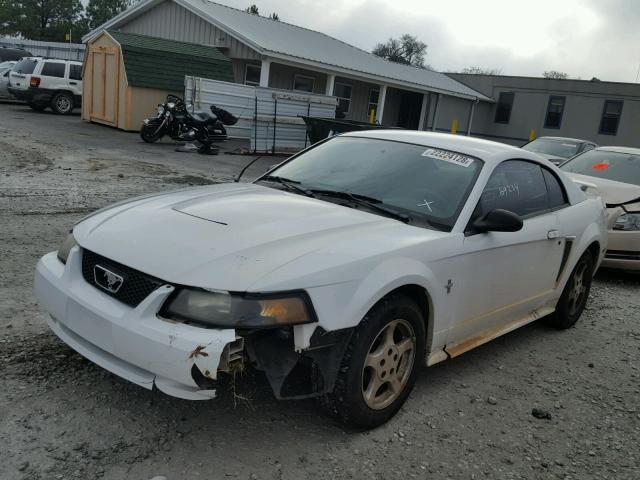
x=447 y=156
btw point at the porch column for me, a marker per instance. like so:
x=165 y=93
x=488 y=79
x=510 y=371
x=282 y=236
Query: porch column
x=470 y=122
x=435 y=113
x=331 y=81
x=264 y=72
x=381 y=99
x=423 y=111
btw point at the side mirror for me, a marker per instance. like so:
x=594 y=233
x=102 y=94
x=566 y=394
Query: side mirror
x=498 y=220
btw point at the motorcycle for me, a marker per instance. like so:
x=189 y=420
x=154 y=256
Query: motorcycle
x=174 y=119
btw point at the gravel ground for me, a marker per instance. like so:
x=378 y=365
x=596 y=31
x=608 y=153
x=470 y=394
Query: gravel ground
x=61 y=417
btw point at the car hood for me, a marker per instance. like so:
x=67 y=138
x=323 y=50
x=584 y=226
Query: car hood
x=231 y=235
x=611 y=191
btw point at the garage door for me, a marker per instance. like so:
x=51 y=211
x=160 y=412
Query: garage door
x=104 y=79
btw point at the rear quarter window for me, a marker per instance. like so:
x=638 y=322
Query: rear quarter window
x=75 y=72
x=53 y=69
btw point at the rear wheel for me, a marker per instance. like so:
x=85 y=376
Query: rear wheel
x=380 y=365
x=575 y=294
x=62 y=103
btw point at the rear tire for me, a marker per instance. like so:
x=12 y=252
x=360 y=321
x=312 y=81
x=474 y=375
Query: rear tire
x=38 y=107
x=574 y=296
x=62 y=103
x=379 y=368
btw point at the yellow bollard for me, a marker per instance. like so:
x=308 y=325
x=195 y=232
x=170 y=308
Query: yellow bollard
x=372 y=116
x=532 y=135
x=454 y=126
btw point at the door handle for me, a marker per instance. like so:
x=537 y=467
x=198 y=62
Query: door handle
x=552 y=234
x=73 y=83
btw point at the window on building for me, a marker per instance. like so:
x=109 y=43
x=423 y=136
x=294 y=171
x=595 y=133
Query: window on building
x=610 y=117
x=303 y=83
x=53 y=69
x=503 y=109
x=374 y=96
x=555 y=109
x=343 y=92
x=252 y=75
x=75 y=72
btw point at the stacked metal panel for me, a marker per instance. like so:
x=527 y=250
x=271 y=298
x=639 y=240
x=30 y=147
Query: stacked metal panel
x=268 y=117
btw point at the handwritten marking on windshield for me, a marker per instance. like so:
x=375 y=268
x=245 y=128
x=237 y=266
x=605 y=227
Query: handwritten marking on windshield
x=506 y=190
x=426 y=204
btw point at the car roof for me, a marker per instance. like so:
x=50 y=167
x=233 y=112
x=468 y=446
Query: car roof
x=565 y=139
x=629 y=150
x=487 y=150
x=51 y=58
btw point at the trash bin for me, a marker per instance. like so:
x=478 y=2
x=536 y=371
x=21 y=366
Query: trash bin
x=319 y=128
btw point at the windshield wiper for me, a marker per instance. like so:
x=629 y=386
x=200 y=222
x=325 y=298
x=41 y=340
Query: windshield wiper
x=291 y=185
x=370 y=202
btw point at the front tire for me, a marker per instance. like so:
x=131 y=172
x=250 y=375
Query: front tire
x=149 y=133
x=379 y=368
x=62 y=103
x=575 y=294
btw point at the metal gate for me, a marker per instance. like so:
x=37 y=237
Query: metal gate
x=105 y=79
x=268 y=117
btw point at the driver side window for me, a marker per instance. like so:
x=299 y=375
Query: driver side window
x=515 y=185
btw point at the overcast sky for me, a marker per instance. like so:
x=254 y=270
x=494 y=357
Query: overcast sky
x=584 y=38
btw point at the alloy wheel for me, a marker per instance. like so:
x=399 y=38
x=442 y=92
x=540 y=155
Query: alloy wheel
x=577 y=293
x=388 y=364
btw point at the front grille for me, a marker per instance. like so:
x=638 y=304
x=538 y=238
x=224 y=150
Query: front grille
x=622 y=255
x=136 y=286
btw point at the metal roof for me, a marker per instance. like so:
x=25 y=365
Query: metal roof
x=281 y=40
x=152 y=62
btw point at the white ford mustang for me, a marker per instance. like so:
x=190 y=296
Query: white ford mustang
x=336 y=273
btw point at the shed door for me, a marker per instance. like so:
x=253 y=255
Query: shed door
x=105 y=77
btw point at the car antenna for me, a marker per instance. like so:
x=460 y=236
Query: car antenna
x=247 y=166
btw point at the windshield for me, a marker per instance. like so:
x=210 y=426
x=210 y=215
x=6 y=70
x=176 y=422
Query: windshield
x=621 y=167
x=553 y=147
x=426 y=184
x=25 y=65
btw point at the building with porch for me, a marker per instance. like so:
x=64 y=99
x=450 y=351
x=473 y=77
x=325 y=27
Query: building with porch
x=276 y=54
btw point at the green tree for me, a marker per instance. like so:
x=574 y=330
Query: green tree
x=253 y=10
x=407 y=49
x=100 y=11
x=41 y=19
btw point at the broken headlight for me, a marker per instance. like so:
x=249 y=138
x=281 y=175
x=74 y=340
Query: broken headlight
x=628 y=221
x=65 y=248
x=249 y=310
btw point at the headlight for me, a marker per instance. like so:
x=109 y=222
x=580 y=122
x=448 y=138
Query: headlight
x=171 y=105
x=226 y=310
x=65 y=248
x=627 y=221
x=160 y=109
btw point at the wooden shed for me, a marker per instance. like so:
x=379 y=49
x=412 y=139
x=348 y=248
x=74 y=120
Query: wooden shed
x=127 y=75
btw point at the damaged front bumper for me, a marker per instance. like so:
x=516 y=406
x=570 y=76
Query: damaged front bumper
x=133 y=343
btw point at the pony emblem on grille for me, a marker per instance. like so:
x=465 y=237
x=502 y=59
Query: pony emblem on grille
x=106 y=279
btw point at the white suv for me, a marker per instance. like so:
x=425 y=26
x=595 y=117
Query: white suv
x=47 y=82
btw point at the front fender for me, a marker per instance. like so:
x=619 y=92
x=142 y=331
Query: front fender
x=344 y=305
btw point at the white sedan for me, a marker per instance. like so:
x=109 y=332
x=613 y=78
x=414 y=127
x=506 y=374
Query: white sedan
x=336 y=273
